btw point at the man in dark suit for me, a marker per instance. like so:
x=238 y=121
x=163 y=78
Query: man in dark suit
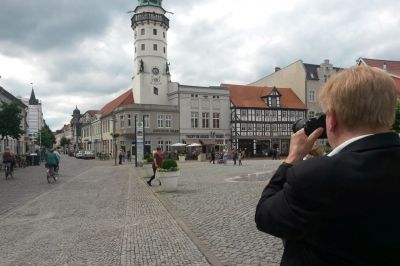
x=343 y=208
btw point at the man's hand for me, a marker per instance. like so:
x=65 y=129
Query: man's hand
x=301 y=145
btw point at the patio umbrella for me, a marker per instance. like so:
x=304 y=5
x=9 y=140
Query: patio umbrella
x=194 y=145
x=178 y=144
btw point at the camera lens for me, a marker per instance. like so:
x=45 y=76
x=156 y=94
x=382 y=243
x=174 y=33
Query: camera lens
x=311 y=124
x=299 y=124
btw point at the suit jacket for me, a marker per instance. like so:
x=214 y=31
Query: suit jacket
x=339 y=210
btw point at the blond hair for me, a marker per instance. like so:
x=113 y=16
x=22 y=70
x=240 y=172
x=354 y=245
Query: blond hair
x=361 y=97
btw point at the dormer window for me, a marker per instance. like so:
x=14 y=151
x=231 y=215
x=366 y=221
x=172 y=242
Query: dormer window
x=273 y=100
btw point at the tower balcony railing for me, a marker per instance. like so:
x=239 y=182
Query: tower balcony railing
x=149 y=17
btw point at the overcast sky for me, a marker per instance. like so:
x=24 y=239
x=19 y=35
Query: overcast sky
x=80 y=52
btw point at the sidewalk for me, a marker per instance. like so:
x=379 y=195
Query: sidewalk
x=151 y=234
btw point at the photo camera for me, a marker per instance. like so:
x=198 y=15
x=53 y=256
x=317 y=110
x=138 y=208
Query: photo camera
x=311 y=124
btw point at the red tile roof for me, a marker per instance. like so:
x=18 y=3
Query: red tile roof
x=250 y=97
x=392 y=67
x=125 y=98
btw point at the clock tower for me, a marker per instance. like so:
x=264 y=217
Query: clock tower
x=151 y=67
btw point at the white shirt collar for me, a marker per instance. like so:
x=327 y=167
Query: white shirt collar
x=347 y=142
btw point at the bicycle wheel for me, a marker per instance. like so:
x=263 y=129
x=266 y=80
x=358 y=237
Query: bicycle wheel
x=48 y=175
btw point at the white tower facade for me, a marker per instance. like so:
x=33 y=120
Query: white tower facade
x=151 y=72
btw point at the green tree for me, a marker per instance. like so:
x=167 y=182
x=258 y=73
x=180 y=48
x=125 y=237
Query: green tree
x=396 y=125
x=64 y=141
x=10 y=121
x=47 y=137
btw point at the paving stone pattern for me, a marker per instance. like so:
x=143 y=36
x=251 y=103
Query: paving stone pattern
x=101 y=214
x=151 y=235
x=96 y=214
x=221 y=213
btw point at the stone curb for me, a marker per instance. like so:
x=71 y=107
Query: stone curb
x=211 y=258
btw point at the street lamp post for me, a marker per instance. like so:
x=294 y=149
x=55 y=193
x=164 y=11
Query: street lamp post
x=40 y=146
x=114 y=142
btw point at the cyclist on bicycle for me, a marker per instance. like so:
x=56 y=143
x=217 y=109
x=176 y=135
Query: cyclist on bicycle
x=52 y=159
x=9 y=157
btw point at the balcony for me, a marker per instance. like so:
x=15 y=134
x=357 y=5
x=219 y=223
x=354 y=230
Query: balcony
x=148 y=17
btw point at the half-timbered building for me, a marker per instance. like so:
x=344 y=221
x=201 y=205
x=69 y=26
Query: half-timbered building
x=262 y=118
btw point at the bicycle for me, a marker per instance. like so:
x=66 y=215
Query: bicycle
x=7 y=170
x=51 y=174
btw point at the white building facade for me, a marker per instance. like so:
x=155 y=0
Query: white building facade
x=204 y=115
x=150 y=26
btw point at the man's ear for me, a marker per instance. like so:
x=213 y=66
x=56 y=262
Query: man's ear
x=331 y=122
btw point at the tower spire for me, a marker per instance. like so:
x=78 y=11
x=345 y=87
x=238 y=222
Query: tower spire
x=32 y=99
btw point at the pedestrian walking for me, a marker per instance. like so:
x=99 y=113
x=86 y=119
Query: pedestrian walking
x=120 y=156
x=157 y=161
x=212 y=156
x=225 y=156
x=240 y=158
x=234 y=157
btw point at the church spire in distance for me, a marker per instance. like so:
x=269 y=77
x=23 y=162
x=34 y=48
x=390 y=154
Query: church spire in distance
x=32 y=99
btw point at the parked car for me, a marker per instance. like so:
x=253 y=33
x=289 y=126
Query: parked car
x=88 y=155
x=79 y=154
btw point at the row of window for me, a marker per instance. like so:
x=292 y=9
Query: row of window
x=205 y=96
x=264 y=134
x=165 y=145
x=155 y=32
x=205 y=120
x=263 y=127
x=155 y=48
x=269 y=115
x=163 y=121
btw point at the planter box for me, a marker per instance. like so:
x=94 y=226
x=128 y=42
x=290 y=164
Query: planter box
x=169 y=180
x=182 y=158
x=148 y=169
x=201 y=157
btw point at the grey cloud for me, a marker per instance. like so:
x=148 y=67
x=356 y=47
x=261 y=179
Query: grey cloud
x=46 y=24
x=203 y=53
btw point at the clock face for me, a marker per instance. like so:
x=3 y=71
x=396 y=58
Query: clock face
x=155 y=71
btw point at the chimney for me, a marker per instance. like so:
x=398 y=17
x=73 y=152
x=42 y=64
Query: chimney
x=384 y=66
x=277 y=69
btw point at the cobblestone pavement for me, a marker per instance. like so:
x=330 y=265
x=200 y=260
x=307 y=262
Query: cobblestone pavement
x=101 y=214
x=98 y=215
x=219 y=207
x=30 y=182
